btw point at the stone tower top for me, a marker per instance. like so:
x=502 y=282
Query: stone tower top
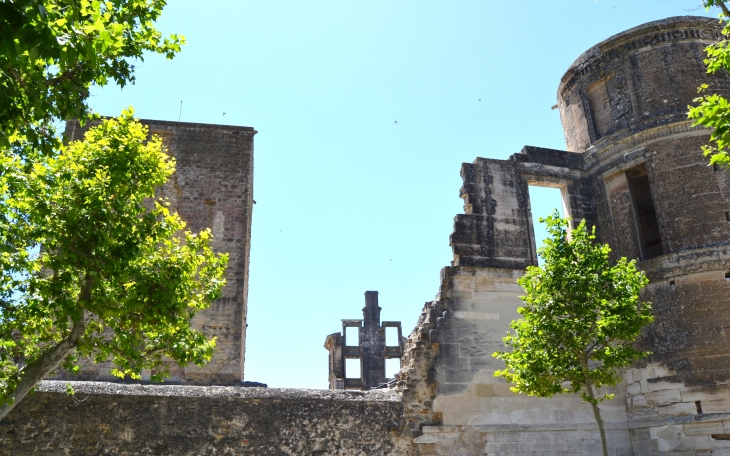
x=636 y=80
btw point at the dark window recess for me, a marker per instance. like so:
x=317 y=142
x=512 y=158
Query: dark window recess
x=727 y=216
x=720 y=436
x=727 y=274
x=671 y=283
x=645 y=214
x=698 y=404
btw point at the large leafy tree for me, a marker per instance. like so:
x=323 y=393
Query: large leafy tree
x=52 y=51
x=92 y=265
x=581 y=317
x=712 y=109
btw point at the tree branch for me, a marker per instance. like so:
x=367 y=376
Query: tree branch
x=48 y=361
x=725 y=11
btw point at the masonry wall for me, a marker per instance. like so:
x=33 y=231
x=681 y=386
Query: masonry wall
x=464 y=409
x=212 y=187
x=125 y=420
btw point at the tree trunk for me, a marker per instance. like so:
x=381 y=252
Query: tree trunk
x=597 y=416
x=42 y=367
x=48 y=362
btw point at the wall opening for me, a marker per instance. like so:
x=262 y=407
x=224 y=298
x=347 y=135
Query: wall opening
x=392 y=367
x=352 y=368
x=352 y=336
x=543 y=201
x=391 y=336
x=650 y=239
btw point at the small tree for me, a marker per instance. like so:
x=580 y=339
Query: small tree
x=91 y=265
x=580 y=320
x=712 y=110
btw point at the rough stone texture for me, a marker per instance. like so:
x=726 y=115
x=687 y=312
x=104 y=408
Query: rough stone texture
x=123 y=419
x=640 y=78
x=211 y=188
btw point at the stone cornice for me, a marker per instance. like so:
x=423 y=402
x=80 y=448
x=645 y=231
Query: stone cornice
x=606 y=149
x=672 y=30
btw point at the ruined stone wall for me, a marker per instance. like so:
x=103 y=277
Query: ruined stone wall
x=635 y=171
x=212 y=188
x=125 y=420
x=450 y=390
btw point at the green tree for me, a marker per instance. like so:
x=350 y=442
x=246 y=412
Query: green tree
x=712 y=109
x=52 y=51
x=92 y=265
x=579 y=322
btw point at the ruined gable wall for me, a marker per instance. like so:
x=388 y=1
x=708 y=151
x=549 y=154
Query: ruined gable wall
x=123 y=420
x=451 y=389
x=212 y=188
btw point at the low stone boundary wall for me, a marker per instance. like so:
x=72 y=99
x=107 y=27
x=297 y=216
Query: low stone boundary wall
x=173 y=420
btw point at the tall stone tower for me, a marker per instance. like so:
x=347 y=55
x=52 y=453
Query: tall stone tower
x=212 y=187
x=634 y=169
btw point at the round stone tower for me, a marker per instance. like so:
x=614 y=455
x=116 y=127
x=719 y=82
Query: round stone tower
x=623 y=105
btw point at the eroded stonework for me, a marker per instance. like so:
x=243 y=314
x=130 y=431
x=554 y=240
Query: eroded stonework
x=369 y=350
x=634 y=170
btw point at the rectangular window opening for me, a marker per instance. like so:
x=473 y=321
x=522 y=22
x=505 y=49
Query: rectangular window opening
x=392 y=367
x=650 y=239
x=698 y=404
x=543 y=201
x=727 y=274
x=727 y=216
x=352 y=336
x=352 y=368
x=391 y=336
x=671 y=283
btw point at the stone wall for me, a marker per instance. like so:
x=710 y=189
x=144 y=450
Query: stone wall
x=156 y=420
x=212 y=188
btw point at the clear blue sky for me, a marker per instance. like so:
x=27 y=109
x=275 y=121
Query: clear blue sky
x=348 y=201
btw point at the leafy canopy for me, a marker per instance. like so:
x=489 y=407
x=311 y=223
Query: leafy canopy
x=51 y=51
x=580 y=318
x=88 y=255
x=712 y=109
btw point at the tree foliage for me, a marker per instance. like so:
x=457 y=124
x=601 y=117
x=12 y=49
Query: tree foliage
x=51 y=51
x=579 y=322
x=93 y=265
x=712 y=109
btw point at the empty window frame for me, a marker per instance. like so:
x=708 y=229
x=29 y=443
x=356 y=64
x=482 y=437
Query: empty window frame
x=650 y=239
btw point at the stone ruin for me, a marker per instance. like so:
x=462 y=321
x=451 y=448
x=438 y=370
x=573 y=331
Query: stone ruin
x=633 y=168
x=370 y=349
